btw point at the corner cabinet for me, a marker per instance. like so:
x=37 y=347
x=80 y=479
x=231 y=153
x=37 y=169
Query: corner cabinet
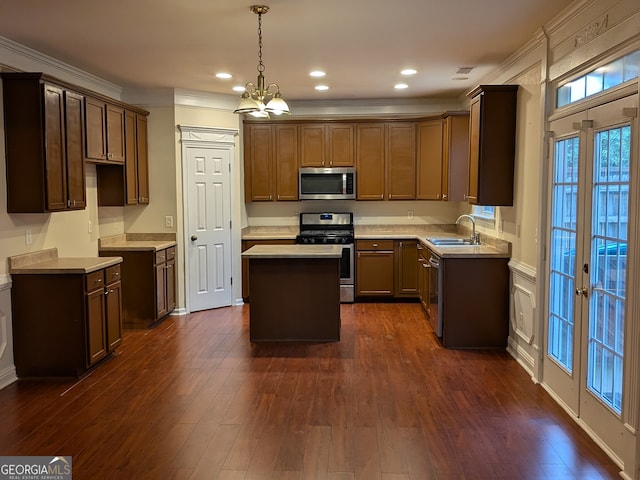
x=120 y=185
x=148 y=284
x=492 y=140
x=44 y=141
x=74 y=324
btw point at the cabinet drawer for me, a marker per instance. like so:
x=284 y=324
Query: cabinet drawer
x=171 y=253
x=95 y=280
x=161 y=256
x=374 y=244
x=112 y=274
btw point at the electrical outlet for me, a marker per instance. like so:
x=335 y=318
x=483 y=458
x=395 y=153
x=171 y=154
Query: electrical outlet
x=168 y=221
x=410 y=214
x=89 y=227
x=28 y=239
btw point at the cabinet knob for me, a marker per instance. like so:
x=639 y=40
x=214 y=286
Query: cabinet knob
x=194 y=238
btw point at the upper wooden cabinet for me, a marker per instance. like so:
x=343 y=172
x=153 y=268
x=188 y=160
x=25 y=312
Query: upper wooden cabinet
x=492 y=136
x=44 y=136
x=270 y=162
x=430 y=160
x=129 y=184
x=386 y=161
x=105 y=131
x=326 y=145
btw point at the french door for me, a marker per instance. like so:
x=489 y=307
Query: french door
x=592 y=158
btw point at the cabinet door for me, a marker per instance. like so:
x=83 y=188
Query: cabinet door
x=370 y=154
x=96 y=129
x=55 y=157
x=374 y=273
x=131 y=160
x=455 y=157
x=406 y=258
x=401 y=161
x=142 y=159
x=74 y=128
x=96 y=335
x=429 y=164
x=340 y=144
x=258 y=167
x=114 y=315
x=171 y=285
x=286 y=159
x=115 y=134
x=474 y=148
x=312 y=146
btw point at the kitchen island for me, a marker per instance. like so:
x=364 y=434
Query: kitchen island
x=295 y=292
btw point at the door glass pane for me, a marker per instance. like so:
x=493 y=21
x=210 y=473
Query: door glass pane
x=610 y=214
x=563 y=252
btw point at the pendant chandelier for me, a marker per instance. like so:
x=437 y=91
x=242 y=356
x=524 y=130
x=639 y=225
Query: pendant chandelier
x=258 y=100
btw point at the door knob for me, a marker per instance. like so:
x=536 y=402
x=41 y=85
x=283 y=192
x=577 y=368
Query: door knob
x=194 y=238
x=582 y=291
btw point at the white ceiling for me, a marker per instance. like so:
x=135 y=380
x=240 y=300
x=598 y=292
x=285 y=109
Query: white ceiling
x=361 y=44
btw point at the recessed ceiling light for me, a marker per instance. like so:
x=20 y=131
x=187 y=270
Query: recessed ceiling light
x=321 y=87
x=238 y=88
x=408 y=71
x=223 y=75
x=400 y=86
x=317 y=73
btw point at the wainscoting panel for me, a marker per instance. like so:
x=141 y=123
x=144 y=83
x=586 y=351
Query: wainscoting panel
x=7 y=367
x=523 y=344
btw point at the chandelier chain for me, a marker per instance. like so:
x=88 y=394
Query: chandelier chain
x=260 y=64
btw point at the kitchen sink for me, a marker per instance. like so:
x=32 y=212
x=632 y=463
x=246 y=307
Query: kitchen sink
x=450 y=242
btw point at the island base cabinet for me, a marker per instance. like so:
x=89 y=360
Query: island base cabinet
x=64 y=332
x=294 y=299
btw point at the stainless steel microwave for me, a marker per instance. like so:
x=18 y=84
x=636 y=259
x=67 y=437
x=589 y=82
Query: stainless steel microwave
x=327 y=183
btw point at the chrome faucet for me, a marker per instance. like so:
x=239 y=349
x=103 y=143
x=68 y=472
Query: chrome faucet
x=475 y=238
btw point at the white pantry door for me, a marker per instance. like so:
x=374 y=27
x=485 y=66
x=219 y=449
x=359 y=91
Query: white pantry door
x=208 y=221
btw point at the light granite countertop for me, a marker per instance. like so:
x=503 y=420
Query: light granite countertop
x=48 y=262
x=293 y=251
x=489 y=246
x=137 y=242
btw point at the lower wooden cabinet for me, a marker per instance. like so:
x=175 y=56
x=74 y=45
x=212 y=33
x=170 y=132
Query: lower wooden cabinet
x=148 y=285
x=387 y=268
x=72 y=323
x=374 y=268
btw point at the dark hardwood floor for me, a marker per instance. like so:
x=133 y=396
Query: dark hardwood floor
x=194 y=399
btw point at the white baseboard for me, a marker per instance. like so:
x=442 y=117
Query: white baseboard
x=8 y=376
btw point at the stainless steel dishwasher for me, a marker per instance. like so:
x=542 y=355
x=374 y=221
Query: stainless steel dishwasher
x=435 y=295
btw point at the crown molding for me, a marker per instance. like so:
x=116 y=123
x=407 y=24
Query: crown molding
x=14 y=56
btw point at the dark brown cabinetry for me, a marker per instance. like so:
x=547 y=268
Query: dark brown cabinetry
x=492 y=136
x=148 y=284
x=270 y=162
x=406 y=268
x=481 y=318
x=75 y=323
x=104 y=131
x=386 y=161
x=246 y=245
x=129 y=184
x=44 y=137
x=374 y=268
x=326 y=145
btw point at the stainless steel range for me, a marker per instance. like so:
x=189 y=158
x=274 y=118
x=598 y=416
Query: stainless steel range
x=334 y=228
